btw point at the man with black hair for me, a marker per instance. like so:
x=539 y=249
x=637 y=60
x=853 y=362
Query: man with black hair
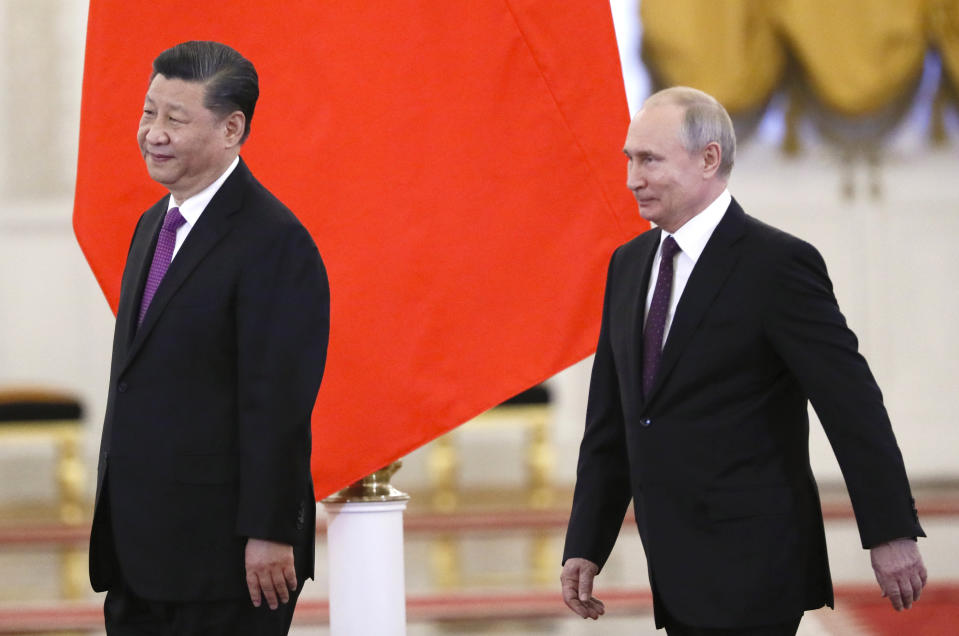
x=204 y=514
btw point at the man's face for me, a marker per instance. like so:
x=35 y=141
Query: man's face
x=185 y=146
x=668 y=182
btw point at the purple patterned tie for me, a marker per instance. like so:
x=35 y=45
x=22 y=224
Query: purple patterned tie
x=656 y=318
x=161 y=258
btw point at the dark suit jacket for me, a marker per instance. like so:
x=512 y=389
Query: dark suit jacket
x=716 y=457
x=206 y=439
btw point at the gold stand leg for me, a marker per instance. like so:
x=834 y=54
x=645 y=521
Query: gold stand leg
x=539 y=461
x=443 y=468
x=445 y=562
x=543 y=559
x=70 y=476
x=73 y=573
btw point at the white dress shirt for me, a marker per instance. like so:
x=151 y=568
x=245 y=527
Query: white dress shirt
x=691 y=238
x=192 y=208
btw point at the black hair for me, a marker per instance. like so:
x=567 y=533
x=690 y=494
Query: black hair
x=231 y=80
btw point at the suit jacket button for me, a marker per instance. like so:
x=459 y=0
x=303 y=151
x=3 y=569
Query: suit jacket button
x=645 y=422
x=122 y=387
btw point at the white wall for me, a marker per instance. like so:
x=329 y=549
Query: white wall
x=893 y=260
x=55 y=326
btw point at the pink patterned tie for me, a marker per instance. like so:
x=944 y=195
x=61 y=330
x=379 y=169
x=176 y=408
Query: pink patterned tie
x=656 y=318
x=161 y=258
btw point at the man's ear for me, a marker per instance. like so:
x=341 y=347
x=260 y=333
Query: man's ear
x=234 y=126
x=712 y=157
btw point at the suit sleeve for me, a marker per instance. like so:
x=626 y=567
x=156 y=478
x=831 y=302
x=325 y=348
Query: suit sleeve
x=810 y=333
x=602 y=475
x=283 y=319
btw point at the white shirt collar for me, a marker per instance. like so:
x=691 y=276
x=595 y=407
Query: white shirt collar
x=194 y=206
x=694 y=234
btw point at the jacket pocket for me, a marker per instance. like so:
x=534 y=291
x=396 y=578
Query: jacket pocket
x=742 y=503
x=206 y=469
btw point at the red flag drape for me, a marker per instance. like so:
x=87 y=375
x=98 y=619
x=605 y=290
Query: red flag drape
x=458 y=164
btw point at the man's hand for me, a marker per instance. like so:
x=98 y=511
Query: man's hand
x=899 y=570
x=577 y=580
x=269 y=567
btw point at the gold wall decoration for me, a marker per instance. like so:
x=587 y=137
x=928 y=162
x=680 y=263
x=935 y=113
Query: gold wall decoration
x=942 y=25
x=728 y=49
x=857 y=58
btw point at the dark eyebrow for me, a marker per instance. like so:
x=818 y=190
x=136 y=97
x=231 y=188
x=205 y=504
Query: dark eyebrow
x=173 y=105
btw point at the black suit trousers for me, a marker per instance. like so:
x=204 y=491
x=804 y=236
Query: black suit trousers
x=787 y=628
x=126 y=614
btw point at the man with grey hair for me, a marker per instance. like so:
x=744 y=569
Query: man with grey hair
x=716 y=331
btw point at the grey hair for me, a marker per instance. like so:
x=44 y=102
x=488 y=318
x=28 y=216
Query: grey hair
x=705 y=121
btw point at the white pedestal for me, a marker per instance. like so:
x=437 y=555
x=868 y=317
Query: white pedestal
x=366 y=579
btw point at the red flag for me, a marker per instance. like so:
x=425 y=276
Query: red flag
x=458 y=164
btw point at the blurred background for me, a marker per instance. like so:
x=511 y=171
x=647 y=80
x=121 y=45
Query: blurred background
x=846 y=114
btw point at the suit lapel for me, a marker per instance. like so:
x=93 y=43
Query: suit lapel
x=707 y=278
x=135 y=275
x=214 y=223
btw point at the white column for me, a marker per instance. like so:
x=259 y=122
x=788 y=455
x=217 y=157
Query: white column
x=367 y=587
x=364 y=534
